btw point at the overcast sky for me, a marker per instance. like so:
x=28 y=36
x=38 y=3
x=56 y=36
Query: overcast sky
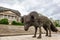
x=50 y=8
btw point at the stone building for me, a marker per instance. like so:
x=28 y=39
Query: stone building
x=10 y=14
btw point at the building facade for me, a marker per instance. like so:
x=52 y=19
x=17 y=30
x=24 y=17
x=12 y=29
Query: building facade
x=10 y=14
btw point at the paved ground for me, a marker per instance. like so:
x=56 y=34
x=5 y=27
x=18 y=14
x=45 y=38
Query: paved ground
x=29 y=37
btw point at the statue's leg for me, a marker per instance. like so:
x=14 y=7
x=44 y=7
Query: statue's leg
x=35 y=32
x=46 y=32
x=49 y=31
x=39 y=32
x=46 y=29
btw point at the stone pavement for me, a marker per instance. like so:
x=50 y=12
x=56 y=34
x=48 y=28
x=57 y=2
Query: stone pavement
x=29 y=37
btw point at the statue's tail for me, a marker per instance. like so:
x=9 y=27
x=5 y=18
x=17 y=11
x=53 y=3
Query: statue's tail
x=53 y=28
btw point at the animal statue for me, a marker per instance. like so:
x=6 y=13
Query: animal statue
x=33 y=19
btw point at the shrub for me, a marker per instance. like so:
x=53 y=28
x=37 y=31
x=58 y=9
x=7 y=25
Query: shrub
x=16 y=23
x=13 y=22
x=56 y=24
x=4 y=21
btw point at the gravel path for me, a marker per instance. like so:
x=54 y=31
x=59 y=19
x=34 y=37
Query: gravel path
x=29 y=37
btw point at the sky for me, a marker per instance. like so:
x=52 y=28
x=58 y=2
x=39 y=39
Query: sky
x=49 y=8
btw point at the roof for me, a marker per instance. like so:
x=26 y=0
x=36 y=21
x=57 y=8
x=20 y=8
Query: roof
x=2 y=9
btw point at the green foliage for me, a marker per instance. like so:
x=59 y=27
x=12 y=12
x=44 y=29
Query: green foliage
x=4 y=21
x=56 y=24
x=16 y=23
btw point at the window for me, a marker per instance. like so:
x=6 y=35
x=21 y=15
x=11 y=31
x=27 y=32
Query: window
x=15 y=17
x=5 y=16
x=1 y=15
x=8 y=16
x=12 y=16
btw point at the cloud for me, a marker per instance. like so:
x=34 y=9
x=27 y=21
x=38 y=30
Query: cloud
x=46 y=7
